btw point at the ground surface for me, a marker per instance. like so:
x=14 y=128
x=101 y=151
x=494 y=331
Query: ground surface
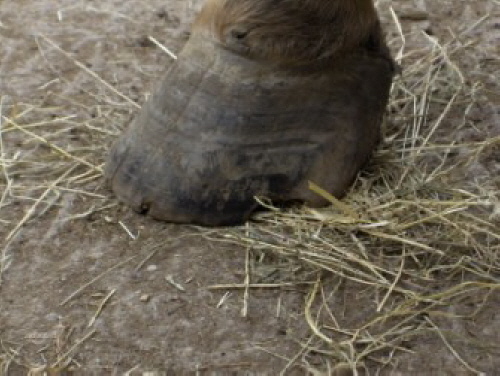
x=86 y=285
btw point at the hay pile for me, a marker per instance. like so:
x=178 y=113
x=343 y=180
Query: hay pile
x=414 y=236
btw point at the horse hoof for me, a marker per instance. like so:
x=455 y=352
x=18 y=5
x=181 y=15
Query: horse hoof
x=238 y=115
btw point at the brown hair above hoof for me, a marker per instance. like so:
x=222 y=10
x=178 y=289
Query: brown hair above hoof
x=248 y=111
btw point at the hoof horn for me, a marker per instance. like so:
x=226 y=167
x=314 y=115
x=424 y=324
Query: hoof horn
x=225 y=126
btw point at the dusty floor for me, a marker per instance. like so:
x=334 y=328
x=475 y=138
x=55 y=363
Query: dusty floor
x=80 y=252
